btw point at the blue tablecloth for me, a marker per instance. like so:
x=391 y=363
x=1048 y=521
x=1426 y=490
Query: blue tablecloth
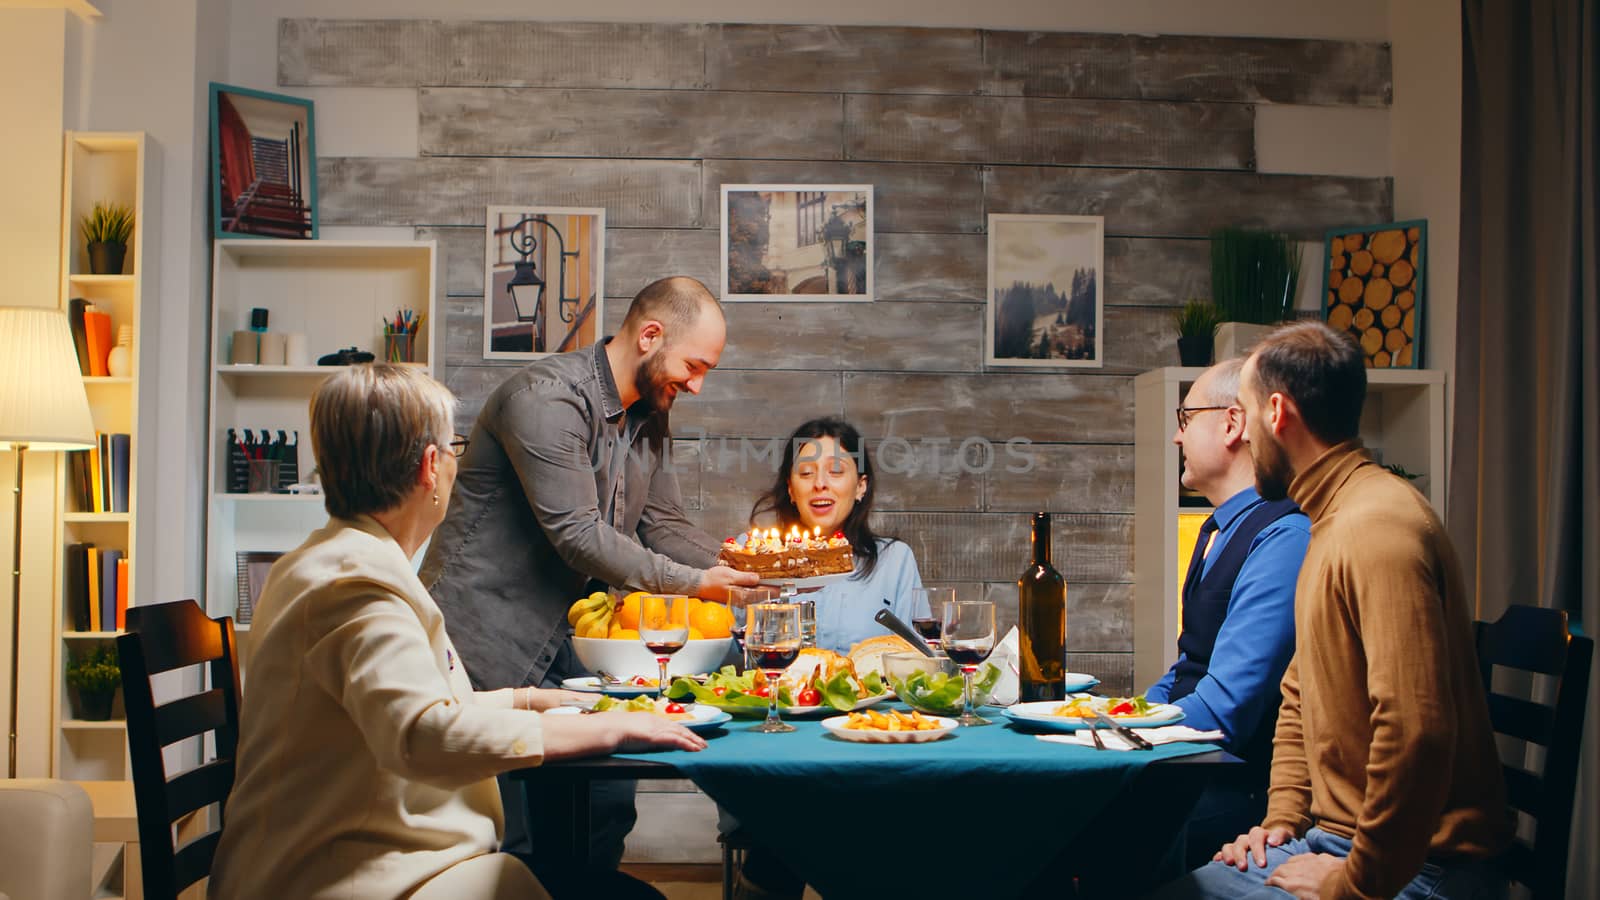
x=979 y=813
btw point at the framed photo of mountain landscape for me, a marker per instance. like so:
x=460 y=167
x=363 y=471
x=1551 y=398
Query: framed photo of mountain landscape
x=1046 y=303
x=797 y=242
x=263 y=165
x=1374 y=279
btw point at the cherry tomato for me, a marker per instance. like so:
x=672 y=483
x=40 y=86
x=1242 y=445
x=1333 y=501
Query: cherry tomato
x=1122 y=708
x=674 y=708
x=760 y=690
x=719 y=690
x=809 y=697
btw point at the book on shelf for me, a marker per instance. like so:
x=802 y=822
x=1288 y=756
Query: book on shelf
x=75 y=310
x=100 y=475
x=94 y=589
x=122 y=594
x=78 y=585
x=120 y=447
x=109 y=560
x=97 y=330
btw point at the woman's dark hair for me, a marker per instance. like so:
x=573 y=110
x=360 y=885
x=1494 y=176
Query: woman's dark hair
x=857 y=526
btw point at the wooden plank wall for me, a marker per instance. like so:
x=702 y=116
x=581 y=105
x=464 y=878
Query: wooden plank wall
x=1155 y=133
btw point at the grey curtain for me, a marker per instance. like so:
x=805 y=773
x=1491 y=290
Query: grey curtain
x=1524 y=503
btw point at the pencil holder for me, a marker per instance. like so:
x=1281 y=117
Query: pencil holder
x=263 y=476
x=398 y=348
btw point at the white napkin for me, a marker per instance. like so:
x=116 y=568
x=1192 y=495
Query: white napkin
x=1164 y=735
x=1004 y=656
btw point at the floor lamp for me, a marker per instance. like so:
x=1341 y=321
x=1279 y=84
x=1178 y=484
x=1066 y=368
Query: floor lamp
x=42 y=407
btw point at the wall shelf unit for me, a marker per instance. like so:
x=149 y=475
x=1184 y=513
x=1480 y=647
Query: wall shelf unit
x=116 y=168
x=1402 y=422
x=337 y=294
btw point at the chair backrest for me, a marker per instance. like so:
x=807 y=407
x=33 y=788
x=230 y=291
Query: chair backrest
x=1536 y=640
x=161 y=638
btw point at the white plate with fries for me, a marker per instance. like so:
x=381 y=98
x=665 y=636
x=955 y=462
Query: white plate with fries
x=891 y=727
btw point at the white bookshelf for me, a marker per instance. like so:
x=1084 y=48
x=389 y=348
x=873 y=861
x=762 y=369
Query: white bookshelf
x=1402 y=422
x=115 y=168
x=337 y=294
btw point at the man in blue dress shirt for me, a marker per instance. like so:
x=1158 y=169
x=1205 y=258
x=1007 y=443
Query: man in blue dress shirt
x=1238 y=608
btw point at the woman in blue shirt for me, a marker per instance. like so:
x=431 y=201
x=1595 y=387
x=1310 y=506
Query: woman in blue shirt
x=826 y=483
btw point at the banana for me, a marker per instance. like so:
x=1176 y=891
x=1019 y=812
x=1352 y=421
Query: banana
x=586 y=605
x=594 y=623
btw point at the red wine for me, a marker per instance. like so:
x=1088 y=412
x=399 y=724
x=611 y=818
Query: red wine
x=968 y=656
x=774 y=657
x=664 y=648
x=1042 y=622
x=928 y=628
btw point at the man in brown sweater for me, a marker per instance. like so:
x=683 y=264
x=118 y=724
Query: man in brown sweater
x=1385 y=780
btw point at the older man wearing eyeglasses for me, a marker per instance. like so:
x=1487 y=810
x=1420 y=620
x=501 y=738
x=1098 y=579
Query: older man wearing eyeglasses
x=1238 y=608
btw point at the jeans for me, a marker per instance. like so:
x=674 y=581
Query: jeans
x=1462 y=880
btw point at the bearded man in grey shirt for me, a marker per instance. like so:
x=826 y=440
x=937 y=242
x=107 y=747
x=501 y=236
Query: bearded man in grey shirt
x=566 y=486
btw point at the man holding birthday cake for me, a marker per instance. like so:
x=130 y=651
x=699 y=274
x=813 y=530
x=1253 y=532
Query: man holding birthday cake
x=566 y=485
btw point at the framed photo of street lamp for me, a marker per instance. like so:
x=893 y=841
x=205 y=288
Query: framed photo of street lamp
x=543 y=280
x=797 y=242
x=1046 y=303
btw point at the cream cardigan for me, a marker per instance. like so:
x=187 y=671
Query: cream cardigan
x=366 y=761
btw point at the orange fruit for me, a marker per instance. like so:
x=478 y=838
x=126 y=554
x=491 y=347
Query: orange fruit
x=628 y=611
x=695 y=635
x=623 y=634
x=711 y=619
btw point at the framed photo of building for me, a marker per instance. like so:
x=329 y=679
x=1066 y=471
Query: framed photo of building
x=797 y=241
x=263 y=165
x=543 y=280
x=1374 y=282
x=1046 y=300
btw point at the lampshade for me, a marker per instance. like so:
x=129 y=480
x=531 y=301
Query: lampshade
x=42 y=403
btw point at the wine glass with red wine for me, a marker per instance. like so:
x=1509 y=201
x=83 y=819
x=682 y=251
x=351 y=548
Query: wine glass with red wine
x=664 y=629
x=740 y=600
x=928 y=627
x=773 y=643
x=968 y=636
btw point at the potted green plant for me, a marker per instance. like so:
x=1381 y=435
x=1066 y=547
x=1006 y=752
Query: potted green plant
x=1197 y=323
x=1254 y=278
x=106 y=231
x=95 y=675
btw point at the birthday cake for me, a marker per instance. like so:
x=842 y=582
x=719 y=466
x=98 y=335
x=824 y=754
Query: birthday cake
x=794 y=555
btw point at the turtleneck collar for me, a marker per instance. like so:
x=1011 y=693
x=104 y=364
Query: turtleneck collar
x=1315 y=488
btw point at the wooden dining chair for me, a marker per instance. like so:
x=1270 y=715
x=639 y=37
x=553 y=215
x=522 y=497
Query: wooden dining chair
x=1535 y=640
x=162 y=638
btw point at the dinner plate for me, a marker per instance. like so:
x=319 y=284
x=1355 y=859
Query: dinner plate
x=1077 y=681
x=836 y=727
x=812 y=583
x=705 y=717
x=590 y=684
x=1038 y=715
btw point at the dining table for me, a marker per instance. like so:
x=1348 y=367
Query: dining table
x=987 y=811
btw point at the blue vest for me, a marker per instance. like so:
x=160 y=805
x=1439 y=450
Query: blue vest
x=1205 y=605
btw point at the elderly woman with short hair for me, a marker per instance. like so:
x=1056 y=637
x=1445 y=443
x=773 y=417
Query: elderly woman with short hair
x=366 y=762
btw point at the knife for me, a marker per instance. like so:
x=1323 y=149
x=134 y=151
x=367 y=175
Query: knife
x=1133 y=738
x=894 y=623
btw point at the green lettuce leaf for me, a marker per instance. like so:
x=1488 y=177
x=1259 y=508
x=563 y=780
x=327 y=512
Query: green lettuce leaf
x=839 y=691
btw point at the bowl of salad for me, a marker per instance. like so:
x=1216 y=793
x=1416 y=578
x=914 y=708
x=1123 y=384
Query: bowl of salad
x=933 y=684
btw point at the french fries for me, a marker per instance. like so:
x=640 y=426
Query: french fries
x=872 y=720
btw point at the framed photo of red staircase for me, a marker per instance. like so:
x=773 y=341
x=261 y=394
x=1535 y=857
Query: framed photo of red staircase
x=263 y=165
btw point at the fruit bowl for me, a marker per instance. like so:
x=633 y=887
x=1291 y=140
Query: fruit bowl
x=627 y=658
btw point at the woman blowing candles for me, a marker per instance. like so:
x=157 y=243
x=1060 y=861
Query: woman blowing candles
x=366 y=762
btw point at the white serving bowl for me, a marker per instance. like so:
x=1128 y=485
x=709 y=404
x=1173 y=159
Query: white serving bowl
x=627 y=658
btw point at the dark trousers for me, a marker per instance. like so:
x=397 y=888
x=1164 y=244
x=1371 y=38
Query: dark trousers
x=1223 y=812
x=540 y=840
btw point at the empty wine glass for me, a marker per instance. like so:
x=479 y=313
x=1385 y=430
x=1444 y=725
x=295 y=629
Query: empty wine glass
x=774 y=642
x=664 y=629
x=968 y=636
x=739 y=601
